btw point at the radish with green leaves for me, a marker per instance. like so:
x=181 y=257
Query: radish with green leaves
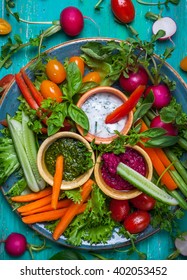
x=16 y=245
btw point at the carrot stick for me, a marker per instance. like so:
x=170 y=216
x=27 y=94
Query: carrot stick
x=35 y=204
x=72 y=211
x=166 y=162
x=35 y=93
x=32 y=196
x=26 y=92
x=44 y=216
x=50 y=215
x=166 y=178
x=61 y=204
x=57 y=180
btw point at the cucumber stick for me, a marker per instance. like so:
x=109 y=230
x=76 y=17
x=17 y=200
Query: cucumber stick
x=22 y=144
x=144 y=185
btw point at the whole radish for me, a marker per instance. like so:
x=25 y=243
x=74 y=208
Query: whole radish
x=134 y=79
x=162 y=95
x=170 y=128
x=71 y=21
x=16 y=245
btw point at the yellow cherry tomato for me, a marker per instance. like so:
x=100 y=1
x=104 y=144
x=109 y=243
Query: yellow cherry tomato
x=183 y=64
x=79 y=61
x=55 y=71
x=51 y=90
x=5 y=27
x=92 y=77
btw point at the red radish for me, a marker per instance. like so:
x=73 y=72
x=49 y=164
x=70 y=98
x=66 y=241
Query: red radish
x=16 y=245
x=162 y=95
x=166 y=24
x=71 y=21
x=169 y=127
x=134 y=79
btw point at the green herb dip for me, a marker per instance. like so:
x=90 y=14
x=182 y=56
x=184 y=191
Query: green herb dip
x=77 y=158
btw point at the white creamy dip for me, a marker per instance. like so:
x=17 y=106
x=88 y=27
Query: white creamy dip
x=97 y=107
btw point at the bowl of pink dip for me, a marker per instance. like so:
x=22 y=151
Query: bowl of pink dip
x=110 y=182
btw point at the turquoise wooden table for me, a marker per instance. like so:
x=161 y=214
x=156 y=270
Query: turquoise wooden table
x=160 y=245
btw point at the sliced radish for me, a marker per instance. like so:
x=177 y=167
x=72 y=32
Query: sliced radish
x=166 y=24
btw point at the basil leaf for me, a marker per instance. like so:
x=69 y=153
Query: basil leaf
x=144 y=107
x=68 y=255
x=74 y=78
x=78 y=116
x=56 y=119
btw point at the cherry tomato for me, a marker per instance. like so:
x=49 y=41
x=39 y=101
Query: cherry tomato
x=119 y=209
x=183 y=64
x=137 y=221
x=143 y=202
x=79 y=61
x=50 y=90
x=5 y=27
x=92 y=77
x=123 y=10
x=55 y=71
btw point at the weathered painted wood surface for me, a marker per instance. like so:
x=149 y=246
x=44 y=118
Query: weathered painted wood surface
x=160 y=245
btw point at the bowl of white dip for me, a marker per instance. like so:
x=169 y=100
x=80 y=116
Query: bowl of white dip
x=97 y=103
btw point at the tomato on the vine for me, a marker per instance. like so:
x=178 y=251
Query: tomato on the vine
x=50 y=90
x=92 y=77
x=143 y=202
x=79 y=61
x=137 y=221
x=123 y=10
x=55 y=71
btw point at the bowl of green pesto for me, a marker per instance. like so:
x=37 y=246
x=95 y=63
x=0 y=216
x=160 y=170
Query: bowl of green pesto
x=78 y=157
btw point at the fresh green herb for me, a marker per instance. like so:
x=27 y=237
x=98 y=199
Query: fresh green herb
x=9 y=162
x=98 y=5
x=67 y=254
x=17 y=188
x=159 y=3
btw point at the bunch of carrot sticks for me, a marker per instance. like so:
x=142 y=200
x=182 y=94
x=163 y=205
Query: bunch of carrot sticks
x=46 y=206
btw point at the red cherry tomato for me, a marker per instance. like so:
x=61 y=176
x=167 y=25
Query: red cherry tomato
x=79 y=61
x=143 y=202
x=50 y=90
x=123 y=10
x=119 y=209
x=55 y=71
x=137 y=221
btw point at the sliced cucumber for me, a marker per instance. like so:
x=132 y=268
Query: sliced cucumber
x=31 y=149
x=144 y=185
x=27 y=161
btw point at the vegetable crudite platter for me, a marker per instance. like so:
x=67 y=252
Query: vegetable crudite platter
x=46 y=115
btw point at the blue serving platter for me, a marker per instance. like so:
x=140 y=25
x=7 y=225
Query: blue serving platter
x=9 y=104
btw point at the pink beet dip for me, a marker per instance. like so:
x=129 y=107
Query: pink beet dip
x=110 y=161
